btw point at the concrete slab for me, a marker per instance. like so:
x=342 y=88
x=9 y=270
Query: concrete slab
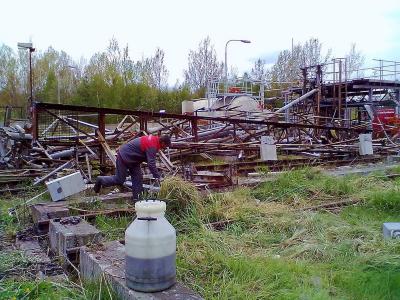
x=32 y=249
x=42 y=212
x=44 y=267
x=109 y=259
x=359 y=170
x=65 y=235
x=391 y=230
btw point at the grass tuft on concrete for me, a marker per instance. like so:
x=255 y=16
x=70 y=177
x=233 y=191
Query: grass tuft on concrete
x=181 y=196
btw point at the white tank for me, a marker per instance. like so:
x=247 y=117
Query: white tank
x=150 y=249
x=187 y=107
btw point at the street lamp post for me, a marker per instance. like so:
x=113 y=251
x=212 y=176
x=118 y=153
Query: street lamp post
x=31 y=49
x=226 y=63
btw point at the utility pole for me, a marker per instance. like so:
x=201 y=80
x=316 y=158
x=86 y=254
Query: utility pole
x=226 y=63
x=29 y=46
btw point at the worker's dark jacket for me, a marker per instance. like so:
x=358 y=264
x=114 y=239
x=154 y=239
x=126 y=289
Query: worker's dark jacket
x=140 y=150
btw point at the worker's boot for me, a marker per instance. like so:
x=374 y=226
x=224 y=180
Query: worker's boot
x=97 y=186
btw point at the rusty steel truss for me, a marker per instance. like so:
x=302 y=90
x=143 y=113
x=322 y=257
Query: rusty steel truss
x=56 y=124
x=320 y=122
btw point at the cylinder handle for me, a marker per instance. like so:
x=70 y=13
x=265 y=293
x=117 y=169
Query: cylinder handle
x=147 y=219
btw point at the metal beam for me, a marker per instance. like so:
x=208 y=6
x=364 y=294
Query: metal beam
x=373 y=86
x=305 y=96
x=148 y=115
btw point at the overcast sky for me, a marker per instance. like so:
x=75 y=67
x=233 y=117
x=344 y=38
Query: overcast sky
x=84 y=27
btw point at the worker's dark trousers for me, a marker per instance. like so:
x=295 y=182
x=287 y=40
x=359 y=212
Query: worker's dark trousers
x=121 y=171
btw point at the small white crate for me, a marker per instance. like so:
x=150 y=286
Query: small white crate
x=63 y=187
x=391 y=230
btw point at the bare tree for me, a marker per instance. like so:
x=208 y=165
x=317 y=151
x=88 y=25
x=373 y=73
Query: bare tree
x=285 y=69
x=97 y=65
x=114 y=57
x=46 y=68
x=54 y=75
x=158 y=70
x=311 y=53
x=105 y=65
x=9 y=81
x=354 y=60
x=142 y=69
x=152 y=70
x=127 y=67
x=202 y=66
x=259 y=72
x=288 y=66
x=233 y=74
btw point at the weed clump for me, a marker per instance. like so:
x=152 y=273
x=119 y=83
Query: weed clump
x=388 y=200
x=181 y=196
x=287 y=186
x=308 y=186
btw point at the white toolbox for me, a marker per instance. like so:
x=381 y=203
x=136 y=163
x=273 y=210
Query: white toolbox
x=63 y=187
x=391 y=230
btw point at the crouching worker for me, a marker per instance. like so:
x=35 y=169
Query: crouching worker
x=129 y=158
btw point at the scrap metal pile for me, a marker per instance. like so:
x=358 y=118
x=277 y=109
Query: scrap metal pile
x=64 y=138
x=319 y=123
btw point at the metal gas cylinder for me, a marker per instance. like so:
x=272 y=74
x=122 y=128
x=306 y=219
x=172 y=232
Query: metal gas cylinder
x=150 y=249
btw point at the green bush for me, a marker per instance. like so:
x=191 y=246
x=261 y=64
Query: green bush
x=288 y=185
x=337 y=186
x=304 y=186
x=181 y=196
x=388 y=200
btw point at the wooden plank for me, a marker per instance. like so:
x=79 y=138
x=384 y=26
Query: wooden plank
x=44 y=150
x=90 y=150
x=68 y=164
x=89 y=167
x=111 y=155
x=170 y=166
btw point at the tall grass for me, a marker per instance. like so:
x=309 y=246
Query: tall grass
x=42 y=289
x=113 y=228
x=309 y=186
x=181 y=196
x=388 y=200
x=274 y=251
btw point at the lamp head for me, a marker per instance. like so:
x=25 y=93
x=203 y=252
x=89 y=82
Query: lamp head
x=25 y=45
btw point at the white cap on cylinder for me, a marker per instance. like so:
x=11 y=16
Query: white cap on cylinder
x=150 y=207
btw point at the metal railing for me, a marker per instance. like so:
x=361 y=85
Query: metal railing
x=339 y=71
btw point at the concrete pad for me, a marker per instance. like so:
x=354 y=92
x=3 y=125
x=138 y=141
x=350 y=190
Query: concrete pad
x=64 y=235
x=43 y=212
x=109 y=259
x=359 y=170
x=32 y=249
x=44 y=267
x=391 y=230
